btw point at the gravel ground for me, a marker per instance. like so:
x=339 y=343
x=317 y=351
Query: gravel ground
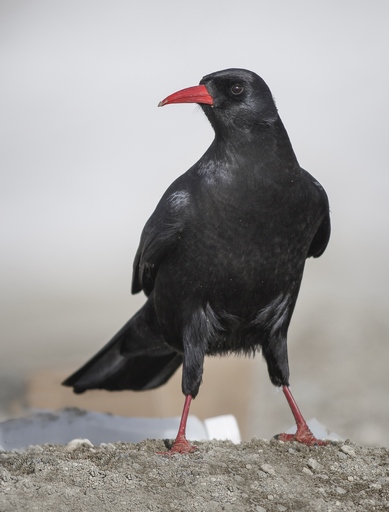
x=257 y=476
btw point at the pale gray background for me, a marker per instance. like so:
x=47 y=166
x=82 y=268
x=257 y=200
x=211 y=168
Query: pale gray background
x=85 y=155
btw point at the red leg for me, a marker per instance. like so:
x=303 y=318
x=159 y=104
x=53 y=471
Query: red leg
x=181 y=444
x=303 y=433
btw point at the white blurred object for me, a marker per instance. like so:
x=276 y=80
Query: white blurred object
x=223 y=428
x=62 y=426
x=318 y=430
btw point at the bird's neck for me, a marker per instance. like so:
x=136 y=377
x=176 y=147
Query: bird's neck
x=261 y=143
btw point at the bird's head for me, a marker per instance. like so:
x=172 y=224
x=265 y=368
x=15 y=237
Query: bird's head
x=232 y=99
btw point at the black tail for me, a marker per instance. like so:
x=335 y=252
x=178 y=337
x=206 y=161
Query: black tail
x=136 y=358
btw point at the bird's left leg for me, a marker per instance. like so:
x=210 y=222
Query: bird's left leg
x=276 y=355
x=192 y=373
x=303 y=433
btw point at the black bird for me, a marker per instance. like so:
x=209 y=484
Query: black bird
x=222 y=257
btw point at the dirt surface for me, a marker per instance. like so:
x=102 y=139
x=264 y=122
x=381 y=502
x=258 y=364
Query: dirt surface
x=257 y=476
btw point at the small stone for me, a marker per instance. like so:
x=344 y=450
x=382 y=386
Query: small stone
x=341 y=455
x=108 y=446
x=313 y=464
x=267 y=468
x=348 y=450
x=76 y=443
x=249 y=466
x=375 y=486
x=168 y=485
x=260 y=509
x=5 y=475
x=339 y=490
x=307 y=471
x=350 y=478
x=270 y=497
x=35 y=447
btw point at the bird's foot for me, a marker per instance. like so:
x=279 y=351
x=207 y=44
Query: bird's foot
x=181 y=445
x=303 y=435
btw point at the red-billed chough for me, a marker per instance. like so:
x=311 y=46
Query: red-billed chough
x=222 y=257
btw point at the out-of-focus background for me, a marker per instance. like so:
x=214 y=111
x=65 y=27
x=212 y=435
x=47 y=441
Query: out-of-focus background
x=85 y=156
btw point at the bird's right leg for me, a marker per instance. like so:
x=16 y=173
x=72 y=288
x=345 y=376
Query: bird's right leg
x=181 y=444
x=195 y=343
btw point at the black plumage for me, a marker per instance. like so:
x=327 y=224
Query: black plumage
x=222 y=257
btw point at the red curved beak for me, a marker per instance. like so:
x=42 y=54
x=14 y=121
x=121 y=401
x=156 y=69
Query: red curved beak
x=196 y=94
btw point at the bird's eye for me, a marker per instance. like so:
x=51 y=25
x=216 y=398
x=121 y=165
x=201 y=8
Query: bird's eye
x=237 y=89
